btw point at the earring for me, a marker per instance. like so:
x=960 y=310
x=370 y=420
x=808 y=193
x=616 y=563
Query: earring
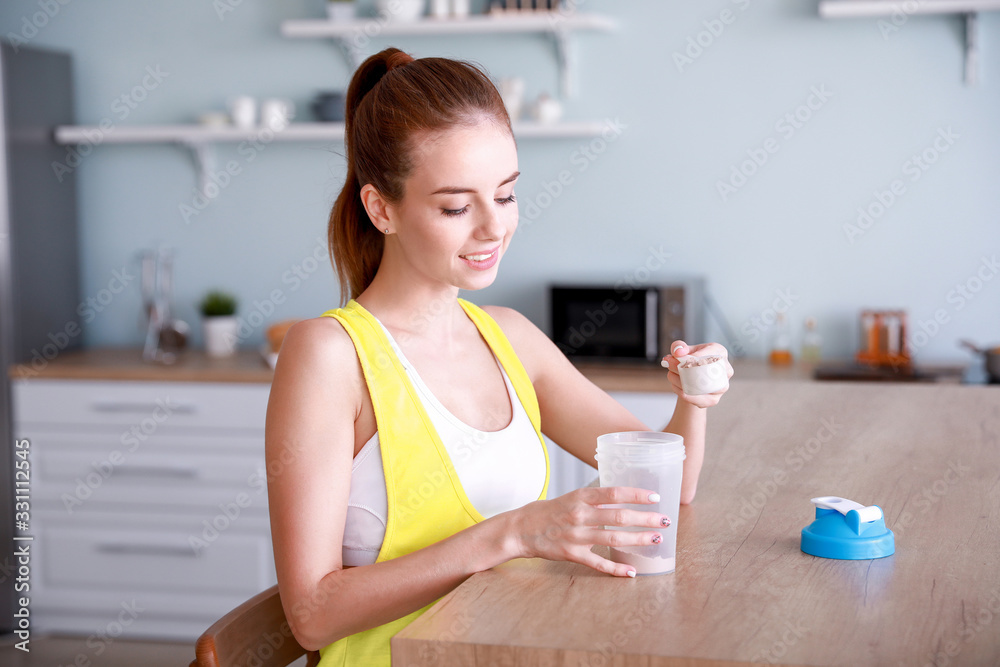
x=386 y=230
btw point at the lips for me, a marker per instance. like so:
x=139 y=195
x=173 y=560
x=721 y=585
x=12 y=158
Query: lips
x=480 y=256
x=482 y=260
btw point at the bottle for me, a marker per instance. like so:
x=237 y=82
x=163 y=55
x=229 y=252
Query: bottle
x=781 y=343
x=811 y=342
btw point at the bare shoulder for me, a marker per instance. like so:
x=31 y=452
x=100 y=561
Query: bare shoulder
x=535 y=350
x=315 y=350
x=515 y=326
x=508 y=318
x=325 y=336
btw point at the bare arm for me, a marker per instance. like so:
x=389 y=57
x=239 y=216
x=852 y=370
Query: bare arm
x=575 y=411
x=690 y=420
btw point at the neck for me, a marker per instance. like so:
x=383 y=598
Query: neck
x=413 y=308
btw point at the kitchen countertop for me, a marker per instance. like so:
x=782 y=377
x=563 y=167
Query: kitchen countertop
x=743 y=591
x=248 y=365
x=127 y=364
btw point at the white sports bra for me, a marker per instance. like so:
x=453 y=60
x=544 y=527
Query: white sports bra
x=499 y=470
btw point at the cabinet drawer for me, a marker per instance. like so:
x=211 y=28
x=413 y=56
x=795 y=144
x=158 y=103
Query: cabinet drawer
x=160 y=457
x=55 y=466
x=75 y=479
x=169 y=470
x=147 y=405
x=161 y=560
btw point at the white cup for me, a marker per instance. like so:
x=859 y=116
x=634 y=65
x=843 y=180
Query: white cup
x=340 y=11
x=404 y=11
x=243 y=111
x=702 y=375
x=276 y=113
x=547 y=109
x=439 y=9
x=512 y=92
x=647 y=460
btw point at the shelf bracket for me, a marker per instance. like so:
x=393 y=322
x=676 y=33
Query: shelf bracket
x=971 y=48
x=203 y=155
x=565 y=60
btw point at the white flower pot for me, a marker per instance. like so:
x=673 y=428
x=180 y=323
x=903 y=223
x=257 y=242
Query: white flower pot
x=220 y=335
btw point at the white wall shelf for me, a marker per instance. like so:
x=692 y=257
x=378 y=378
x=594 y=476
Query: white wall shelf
x=349 y=35
x=201 y=139
x=838 y=9
x=133 y=134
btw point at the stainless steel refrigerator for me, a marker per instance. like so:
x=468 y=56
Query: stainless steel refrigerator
x=39 y=261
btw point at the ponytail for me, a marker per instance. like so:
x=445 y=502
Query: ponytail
x=354 y=242
x=390 y=97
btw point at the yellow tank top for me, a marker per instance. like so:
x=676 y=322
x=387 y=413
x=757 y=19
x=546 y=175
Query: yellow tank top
x=426 y=502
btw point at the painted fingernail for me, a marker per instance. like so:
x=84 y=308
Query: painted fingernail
x=631 y=573
x=657 y=539
x=665 y=521
x=654 y=497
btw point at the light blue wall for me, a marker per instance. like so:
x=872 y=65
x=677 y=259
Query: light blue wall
x=655 y=185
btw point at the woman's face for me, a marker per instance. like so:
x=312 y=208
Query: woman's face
x=458 y=211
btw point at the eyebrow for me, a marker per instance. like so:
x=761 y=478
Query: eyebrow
x=455 y=190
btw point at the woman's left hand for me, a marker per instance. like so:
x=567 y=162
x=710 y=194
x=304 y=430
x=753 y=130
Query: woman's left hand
x=679 y=349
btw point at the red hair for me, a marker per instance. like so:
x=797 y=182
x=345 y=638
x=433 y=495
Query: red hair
x=391 y=97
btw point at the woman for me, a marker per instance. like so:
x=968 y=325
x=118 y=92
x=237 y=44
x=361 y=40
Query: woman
x=403 y=438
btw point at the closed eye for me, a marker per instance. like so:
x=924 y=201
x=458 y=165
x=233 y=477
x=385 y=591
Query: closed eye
x=456 y=212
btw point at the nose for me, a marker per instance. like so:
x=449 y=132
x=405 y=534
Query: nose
x=490 y=226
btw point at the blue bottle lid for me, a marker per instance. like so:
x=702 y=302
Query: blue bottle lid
x=847 y=530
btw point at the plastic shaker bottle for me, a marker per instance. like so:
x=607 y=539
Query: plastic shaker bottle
x=647 y=460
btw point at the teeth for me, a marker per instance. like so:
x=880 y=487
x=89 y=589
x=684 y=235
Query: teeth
x=478 y=258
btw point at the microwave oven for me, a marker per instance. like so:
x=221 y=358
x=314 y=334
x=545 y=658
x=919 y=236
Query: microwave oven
x=626 y=323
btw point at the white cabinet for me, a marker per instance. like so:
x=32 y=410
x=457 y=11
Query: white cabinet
x=654 y=409
x=148 y=503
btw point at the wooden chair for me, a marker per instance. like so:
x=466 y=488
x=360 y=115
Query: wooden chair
x=255 y=633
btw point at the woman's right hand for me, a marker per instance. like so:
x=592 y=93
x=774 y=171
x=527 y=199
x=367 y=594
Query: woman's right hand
x=566 y=527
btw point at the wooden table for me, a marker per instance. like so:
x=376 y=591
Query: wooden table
x=743 y=592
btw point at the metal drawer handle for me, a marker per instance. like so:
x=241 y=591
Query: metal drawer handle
x=146 y=550
x=145 y=407
x=157 y=471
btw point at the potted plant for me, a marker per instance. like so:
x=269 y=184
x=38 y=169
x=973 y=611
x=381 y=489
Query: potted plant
x=340 y=10
x=218 y=309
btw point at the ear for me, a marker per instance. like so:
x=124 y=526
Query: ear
x=377 y=207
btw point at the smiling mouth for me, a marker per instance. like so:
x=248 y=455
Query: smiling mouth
x=480 y=257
